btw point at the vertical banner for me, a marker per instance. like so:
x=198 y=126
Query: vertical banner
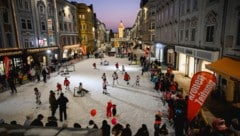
x=202 y=84
x=6 y=65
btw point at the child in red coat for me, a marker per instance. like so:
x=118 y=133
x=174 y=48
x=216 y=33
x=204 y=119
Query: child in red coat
x=66 y=84
x=126 y=78
x=59 y=88
x=109 y=109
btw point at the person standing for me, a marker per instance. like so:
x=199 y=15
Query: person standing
x=10 y=78
x=53 y=103
x=143 y=131
x=38 y=95
x=44 y=74
x=62 y=102
x=114 y=110
x=126 y=78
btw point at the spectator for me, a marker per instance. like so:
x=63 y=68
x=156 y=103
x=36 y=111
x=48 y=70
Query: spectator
x=52 y=122
x=105 y=128
x=92 y=124
x=38 y=121
x=127 y=131
x=143 y=131
x=62 y=102
x=77 y=125
x=117 y=130
x=28 y=121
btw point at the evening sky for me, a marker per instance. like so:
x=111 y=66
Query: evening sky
x=112 y=12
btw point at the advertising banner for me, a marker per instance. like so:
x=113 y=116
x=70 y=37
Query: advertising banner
x=6 y=65
x=202 y=84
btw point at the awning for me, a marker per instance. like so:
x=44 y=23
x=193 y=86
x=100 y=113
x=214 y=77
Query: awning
x=226 y=67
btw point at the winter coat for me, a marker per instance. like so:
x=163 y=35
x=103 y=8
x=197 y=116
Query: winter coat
x=66 y=82
x=53 y=101
x=126 y=77
x=143 y=131
x=62 y=102
x=127 y=132
x=37 y=122
x=106 y=129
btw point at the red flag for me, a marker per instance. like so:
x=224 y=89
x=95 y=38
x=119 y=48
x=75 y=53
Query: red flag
x=201 y=85
x=6 y=65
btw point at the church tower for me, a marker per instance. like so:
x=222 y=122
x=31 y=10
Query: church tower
x=121 y=30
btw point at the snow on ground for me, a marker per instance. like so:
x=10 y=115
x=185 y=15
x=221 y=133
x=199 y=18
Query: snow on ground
x=135 y=105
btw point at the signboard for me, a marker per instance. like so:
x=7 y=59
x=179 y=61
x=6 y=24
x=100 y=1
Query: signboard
x=119 y=39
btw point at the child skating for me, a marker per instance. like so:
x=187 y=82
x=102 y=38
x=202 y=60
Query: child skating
x=126 y=78
x=66 y=84
x=59 y=88
x=105 y=86
x=38 y=96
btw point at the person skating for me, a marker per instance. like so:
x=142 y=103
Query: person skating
x=81 y=90
x=126 y=78
x=123 y=69
x=59 y=88
x=38 y=96
x=115 y=78
x=94 y=65
x=117 y=66
x=66 y=84
x=109 y=109
x=104 y=77
x=104 y=85
x=62 y=102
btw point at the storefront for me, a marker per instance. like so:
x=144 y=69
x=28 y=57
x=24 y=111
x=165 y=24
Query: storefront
x=191 y=60
x=71 y=52
x=228 y=69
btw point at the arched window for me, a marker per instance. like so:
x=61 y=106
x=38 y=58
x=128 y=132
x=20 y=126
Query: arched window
x=210 y=26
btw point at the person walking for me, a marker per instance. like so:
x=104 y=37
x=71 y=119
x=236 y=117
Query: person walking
x=44 y=74
x=11 y=79
x=38 y=95
x=126 y=78
x=62 y=102
x=53 y=103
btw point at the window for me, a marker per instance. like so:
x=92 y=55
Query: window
x=193 y=33
x=181 y=35
x=43 y=26
x=1 y=44
x=65 y=26
x=195 y=4
x=210 y=33
x=60 y=26
x=186 y=35
x=23 y=22
x=188 y=5
x=41 y=9
x=153 y=37
x=26 y=5
x=9 y=40
x=5 y=16
x=29 y=24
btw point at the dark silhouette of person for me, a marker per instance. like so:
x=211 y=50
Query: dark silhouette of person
x=52 y=122
x=62 y=102
x=37 y=121
x=105 y=128
x=10 y=78
x=127 y=131
x=53 y=102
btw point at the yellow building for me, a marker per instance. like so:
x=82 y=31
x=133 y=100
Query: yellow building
x=121 y=30
x=85 y=16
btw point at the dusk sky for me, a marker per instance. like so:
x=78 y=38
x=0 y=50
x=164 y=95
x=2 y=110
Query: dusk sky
x=111 y=12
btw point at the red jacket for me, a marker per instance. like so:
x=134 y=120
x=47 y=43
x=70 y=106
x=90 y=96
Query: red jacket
x=126 y=77
x=66 y=82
